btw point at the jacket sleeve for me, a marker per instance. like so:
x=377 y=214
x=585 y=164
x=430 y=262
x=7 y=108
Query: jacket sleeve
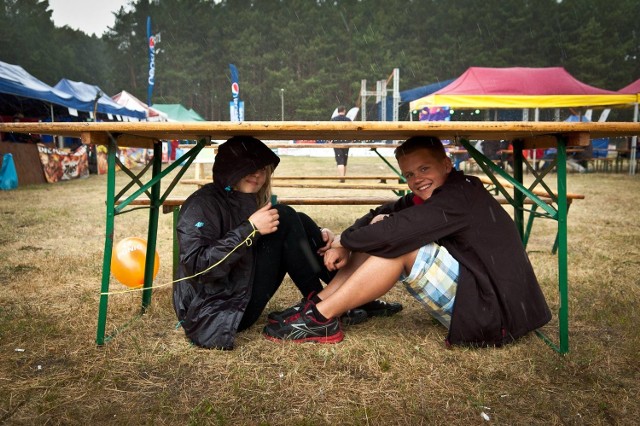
x=387 y=208
x=408 y=226
x=204 y=244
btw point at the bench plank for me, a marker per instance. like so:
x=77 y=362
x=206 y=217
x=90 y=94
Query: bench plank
x=318 y=185
x=169 y=203
x=485 y=180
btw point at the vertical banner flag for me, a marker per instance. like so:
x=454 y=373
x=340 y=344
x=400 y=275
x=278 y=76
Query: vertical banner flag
x=235 y=92
x=152 y=60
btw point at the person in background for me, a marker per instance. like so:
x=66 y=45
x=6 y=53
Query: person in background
x=341 y=154
x=456 y=250
x=20 y=137
x=174 y=144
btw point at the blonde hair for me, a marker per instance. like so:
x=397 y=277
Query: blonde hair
x=263 y=196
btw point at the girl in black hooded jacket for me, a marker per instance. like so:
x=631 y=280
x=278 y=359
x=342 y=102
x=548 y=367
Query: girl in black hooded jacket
x=235 y=247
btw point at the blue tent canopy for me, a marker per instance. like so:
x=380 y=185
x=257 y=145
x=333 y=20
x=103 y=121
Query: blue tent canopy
x=413 y=94
x=87 y=94
x=18 y=87
x=421 y=92
x=14 y=80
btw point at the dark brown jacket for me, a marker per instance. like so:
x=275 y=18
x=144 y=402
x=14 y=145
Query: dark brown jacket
x=498 y=297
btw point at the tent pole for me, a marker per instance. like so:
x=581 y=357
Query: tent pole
x=533 y=151
x=363 y=97
x=634 y=143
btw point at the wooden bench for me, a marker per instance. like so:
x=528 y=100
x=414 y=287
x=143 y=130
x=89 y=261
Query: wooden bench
x=169 y=204
x=544 y=194
x=394 y=178
x=397 y=188
x=348 y=177
x=173 y=205
x=549 y=198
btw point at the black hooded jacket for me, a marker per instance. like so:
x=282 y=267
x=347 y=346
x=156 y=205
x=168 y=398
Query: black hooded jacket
x=215 y=235
x=498 y=298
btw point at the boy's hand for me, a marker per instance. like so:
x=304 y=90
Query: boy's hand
x=378 y=218
x=336 y=258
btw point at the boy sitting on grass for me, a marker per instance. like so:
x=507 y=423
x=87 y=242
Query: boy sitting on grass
x=449 y=242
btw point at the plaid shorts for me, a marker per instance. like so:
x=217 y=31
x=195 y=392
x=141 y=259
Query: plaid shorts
x=433 y=281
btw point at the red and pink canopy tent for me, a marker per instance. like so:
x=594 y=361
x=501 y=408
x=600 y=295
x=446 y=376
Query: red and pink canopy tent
x=632 y=89
x=518 y=87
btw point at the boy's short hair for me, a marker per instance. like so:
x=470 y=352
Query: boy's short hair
x=414 y=143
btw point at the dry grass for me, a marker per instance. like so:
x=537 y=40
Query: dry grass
x=387 y=371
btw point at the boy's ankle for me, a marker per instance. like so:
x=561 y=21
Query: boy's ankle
x=318 y=314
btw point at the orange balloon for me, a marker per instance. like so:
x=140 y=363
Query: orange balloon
x=128 y=261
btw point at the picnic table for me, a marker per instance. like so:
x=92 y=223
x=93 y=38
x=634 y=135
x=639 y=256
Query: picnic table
x=523 y=135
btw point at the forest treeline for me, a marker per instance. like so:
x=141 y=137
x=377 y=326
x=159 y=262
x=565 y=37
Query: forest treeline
x=318 y=51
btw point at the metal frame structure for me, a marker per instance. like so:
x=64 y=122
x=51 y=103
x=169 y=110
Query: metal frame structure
x=381 y=96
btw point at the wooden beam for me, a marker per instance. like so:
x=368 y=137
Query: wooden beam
x=326 y=130
x=550 y=141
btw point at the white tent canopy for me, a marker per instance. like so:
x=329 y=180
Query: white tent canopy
x=128 y=100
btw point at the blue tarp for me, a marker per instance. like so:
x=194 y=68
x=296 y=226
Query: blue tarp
x=87 y=94
x=421 y=92
x=413 y=94
x=14 y=80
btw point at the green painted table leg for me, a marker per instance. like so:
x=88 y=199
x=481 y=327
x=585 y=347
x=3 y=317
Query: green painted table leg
x=108 y=243
x=154 y=214
x=176 y=246
x=563 y=314
x=518 y=196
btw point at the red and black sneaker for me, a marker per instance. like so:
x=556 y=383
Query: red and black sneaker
x=284 y=315
x=305 y=328
x=351 y=317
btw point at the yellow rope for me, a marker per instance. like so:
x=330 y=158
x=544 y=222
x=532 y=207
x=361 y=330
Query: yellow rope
x=248 y=241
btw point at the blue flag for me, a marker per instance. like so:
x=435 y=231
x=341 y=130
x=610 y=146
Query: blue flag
x=152 y=60
x=235 y=90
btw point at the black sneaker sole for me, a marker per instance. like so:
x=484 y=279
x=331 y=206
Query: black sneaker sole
x=354 y=317
x=390 y=308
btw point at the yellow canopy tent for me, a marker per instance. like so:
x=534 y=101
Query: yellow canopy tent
x=520 y=87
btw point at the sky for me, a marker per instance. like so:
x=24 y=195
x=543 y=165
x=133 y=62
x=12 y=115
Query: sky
x=89 y=16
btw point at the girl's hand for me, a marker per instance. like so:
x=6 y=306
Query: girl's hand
x=265 y=219
x=327 y=236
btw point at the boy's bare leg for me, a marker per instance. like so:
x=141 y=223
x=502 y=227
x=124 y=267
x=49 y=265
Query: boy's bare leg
x=355 y=261
x=373 y=278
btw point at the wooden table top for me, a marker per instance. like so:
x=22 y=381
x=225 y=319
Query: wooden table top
x=144 y=134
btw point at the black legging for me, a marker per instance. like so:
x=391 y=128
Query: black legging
x=291 y=249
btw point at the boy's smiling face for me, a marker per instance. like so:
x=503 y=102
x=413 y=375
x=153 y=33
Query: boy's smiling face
x=424 y=172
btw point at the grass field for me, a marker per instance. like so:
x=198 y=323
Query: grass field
x=387 y=371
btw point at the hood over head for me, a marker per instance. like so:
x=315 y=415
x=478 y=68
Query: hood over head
x=238 y=157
